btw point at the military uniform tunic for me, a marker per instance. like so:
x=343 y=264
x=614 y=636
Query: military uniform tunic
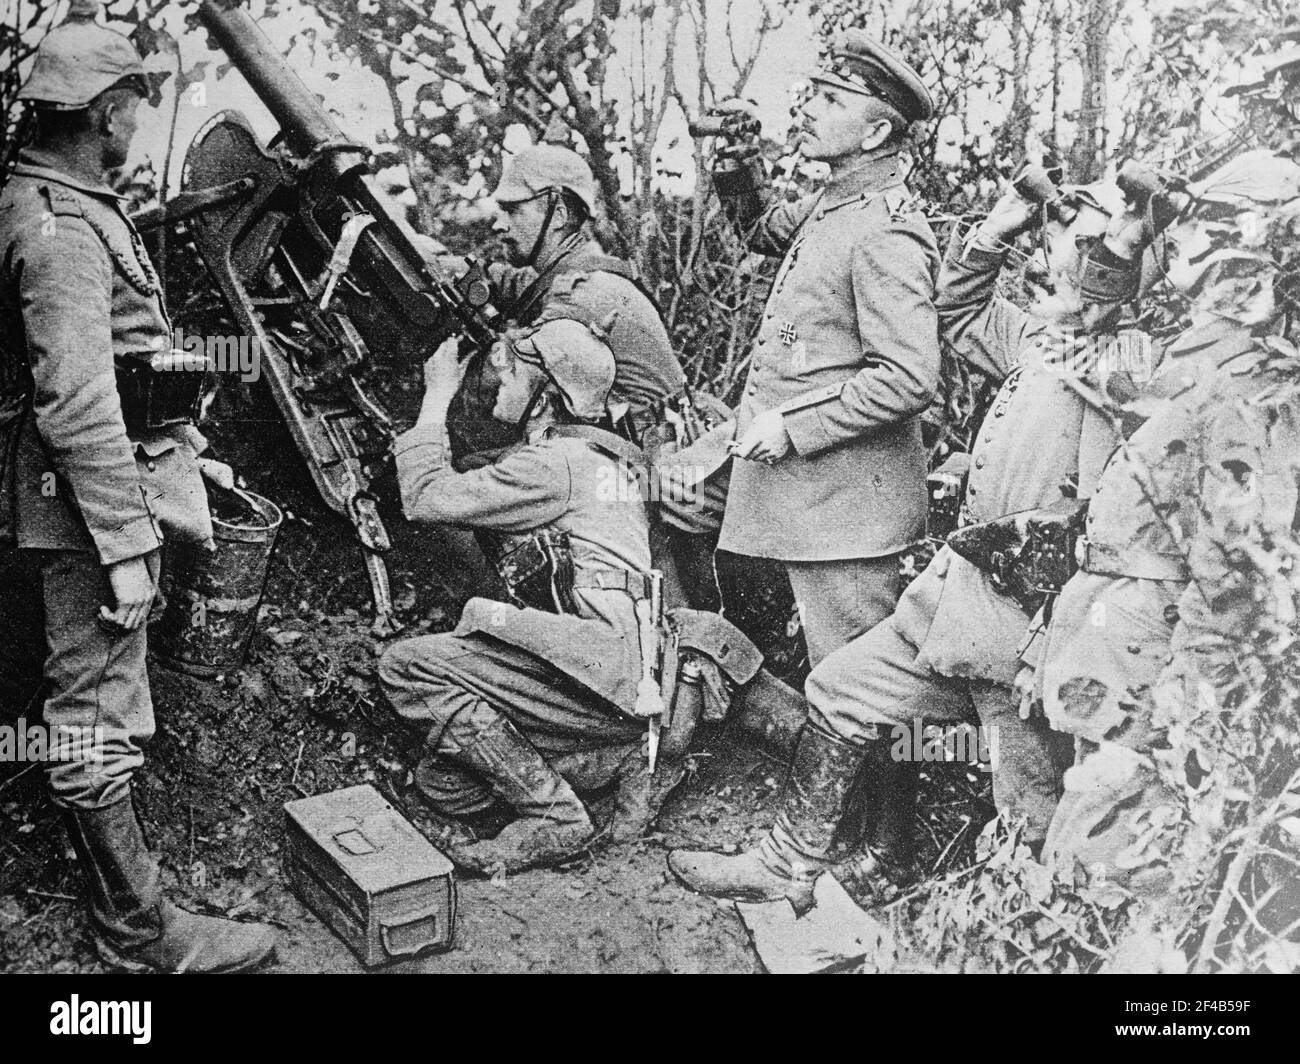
x=79 y=292
x=590 y=286
x=848 y=350
x=1174 y=502
x=567 y=681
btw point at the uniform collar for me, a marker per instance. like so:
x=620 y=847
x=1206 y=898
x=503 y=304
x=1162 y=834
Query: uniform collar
x=868 y=176
x=32 y=162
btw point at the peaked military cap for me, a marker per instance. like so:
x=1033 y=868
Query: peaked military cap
x=859 y=64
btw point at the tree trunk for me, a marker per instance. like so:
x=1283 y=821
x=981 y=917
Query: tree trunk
x=1088 y=150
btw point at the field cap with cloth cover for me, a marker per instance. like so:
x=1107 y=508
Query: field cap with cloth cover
x=534 y=170
x=574 y=356
x=79 y=59
x=860 y=65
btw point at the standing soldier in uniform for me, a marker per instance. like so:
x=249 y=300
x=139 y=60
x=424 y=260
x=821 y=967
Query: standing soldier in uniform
x=523 y=703
x=100 y=462
x=832 y=477
x=952 y=644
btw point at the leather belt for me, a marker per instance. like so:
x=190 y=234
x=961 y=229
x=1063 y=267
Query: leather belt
x=635 y=584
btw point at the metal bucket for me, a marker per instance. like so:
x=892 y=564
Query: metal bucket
x=212 y=596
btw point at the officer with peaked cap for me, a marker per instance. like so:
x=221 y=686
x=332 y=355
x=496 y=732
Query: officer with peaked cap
x=829 y=476
x=99 y=458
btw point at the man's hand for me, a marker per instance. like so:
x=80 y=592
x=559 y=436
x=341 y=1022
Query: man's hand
x=217 y=473
x=766 y=441
x=444 y=369
x=133 y=592
x=1010 y=216
x=1023 y=685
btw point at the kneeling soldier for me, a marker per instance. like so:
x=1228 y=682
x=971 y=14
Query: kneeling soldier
x=522 y=695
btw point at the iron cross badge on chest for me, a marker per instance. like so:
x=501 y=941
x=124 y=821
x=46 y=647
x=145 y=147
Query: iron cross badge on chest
x=789 y=335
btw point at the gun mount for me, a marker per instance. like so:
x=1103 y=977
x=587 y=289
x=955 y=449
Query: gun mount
x=313 y=267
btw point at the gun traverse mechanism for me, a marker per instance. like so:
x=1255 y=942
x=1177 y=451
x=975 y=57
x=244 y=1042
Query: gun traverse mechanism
x=314 y=268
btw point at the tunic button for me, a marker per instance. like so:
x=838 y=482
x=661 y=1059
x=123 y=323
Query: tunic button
x=979 y=462
x=151 y=466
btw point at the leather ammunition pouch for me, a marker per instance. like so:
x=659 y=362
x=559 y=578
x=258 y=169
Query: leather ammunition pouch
x=536 y=568
x=1026 y=555
x=158 y=399
x=705 y=658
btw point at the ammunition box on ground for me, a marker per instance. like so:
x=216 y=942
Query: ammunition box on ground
x=373 y=879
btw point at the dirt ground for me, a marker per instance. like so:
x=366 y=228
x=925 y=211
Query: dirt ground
x=304 y=716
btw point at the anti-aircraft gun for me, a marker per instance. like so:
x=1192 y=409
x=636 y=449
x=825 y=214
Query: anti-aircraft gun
x=313 y=267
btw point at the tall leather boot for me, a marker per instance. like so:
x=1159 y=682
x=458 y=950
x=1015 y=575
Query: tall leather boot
x=798 y=849
x=881 y=818
x=553 y=823
x=640 y=795
x=771 y=712
x=135 y=927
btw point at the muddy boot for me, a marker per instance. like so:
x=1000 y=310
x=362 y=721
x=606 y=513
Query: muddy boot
x=553 y=823
x=882 y=818
x=639 y=795
x=797 y=850
x=771 y=712
x=135 y=927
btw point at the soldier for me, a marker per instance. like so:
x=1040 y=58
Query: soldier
x=832 y=477
x=523 y=703
x=951 y=646
x=100 y=463
x=1179 y=509
x=547 y=196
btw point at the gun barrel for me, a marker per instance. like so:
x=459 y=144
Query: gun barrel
x=305 y=123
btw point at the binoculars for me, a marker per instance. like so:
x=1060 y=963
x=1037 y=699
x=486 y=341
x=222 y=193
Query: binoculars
x=732 y=126
x=1042 y=185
